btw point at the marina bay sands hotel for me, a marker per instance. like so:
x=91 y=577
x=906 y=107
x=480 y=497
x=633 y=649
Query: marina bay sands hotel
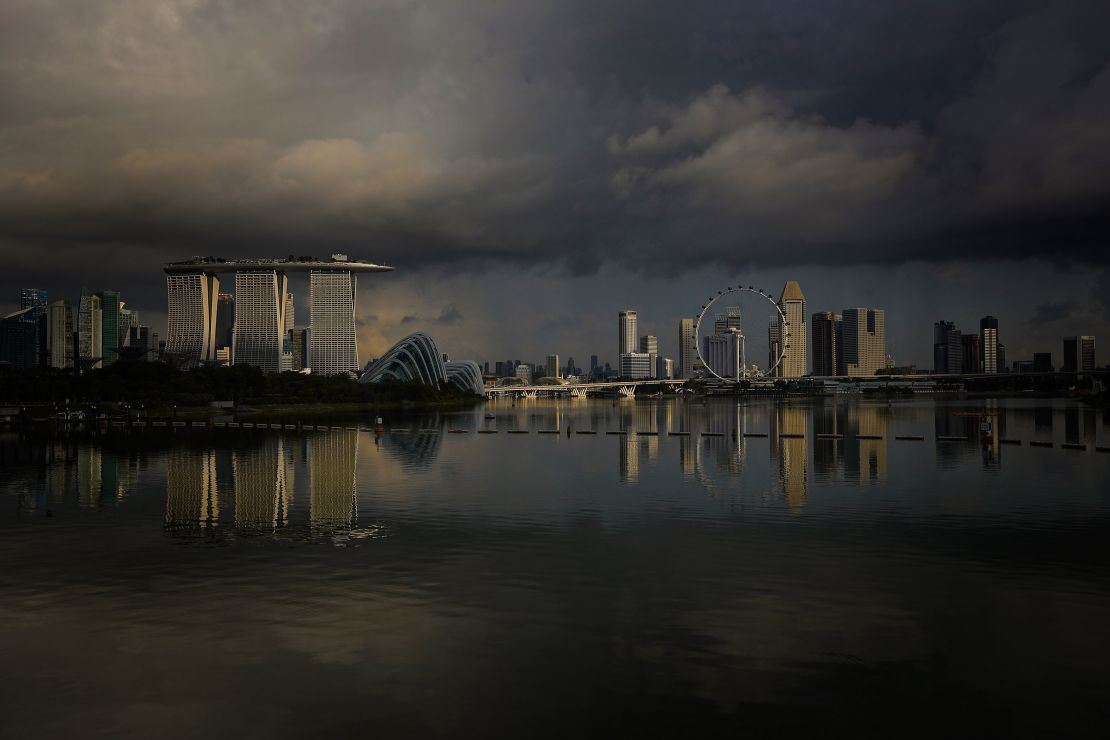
x=263 y=311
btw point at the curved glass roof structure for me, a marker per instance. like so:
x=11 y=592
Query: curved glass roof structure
x=417 y=357
x=466 y=375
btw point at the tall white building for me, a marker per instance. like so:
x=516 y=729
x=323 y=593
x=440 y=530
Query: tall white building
x=988 y=344
x=332 y=345
x=629 y=325
x=687 y=348
x=649 y=345
x=864 y=337
x=793 y=304
x=191 y=316
x=258 y=334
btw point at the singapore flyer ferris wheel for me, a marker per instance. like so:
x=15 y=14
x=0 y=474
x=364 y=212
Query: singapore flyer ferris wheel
x=728 y=359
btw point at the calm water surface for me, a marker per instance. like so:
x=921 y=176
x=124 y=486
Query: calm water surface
x=249 y=583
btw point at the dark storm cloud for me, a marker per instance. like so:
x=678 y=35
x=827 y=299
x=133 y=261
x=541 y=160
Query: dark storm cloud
x=646 y=134
x=1047 y=313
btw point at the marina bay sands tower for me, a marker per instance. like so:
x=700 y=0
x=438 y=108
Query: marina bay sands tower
x=261 y=304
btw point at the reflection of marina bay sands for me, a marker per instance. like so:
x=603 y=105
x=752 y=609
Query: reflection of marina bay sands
x=263 y=312
x=263 y=483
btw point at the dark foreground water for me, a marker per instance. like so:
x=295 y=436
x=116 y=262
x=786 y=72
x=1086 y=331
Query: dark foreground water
x=248 y=583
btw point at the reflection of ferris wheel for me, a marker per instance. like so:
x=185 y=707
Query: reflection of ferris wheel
x=741 y=367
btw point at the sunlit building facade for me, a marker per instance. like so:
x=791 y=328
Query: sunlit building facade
x=864 y=340
x=259 y=319
x=192 y=300
x=332 y=348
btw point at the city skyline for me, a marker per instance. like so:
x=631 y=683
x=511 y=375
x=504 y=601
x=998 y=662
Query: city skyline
x=847 y=153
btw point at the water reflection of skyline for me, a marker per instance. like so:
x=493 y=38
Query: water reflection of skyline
x=783 y=449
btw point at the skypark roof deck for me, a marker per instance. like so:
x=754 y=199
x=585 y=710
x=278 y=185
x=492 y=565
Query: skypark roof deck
x=289 y=264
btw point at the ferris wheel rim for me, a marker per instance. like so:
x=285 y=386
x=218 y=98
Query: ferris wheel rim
x=741 y=289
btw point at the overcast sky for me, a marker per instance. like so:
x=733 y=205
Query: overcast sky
x=531 y=166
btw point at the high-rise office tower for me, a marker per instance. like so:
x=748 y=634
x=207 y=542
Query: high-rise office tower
x=225 y=319
x=1079 y=354
x=299 y=337
x=838 y=336
x=109 y=326
x=988 y=345
x=793 y=304
x=19 y=334
x=89 y=339
x=972 y=354
x=59 y=334
x=687 y=348
x=649 y=345
x=826 y=348
x=864 y=340
x=332 y=345
x=259 y=324
x=629 y=325
x=37 y=303
x=774 y=347
x=664 y=368
x=725 y=322
x=289 y=322
x=36 y=300
x=551 y=366
x=941 y=330
x=127 y=319
x=193 y=300
x=954 y=338
x=139 y=340
x=724 y=353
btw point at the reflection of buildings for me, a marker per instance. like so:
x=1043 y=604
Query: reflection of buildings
x=791 y=451
x=192 y=494
x=331 y=471
x=637 y=417
x=829 y=417
x=263 y=484
x=865 y=459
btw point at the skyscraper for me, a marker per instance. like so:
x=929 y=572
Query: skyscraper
x=1079 y=354
x=826 y=347
x=724 y=353
x=332 y=344
x=37 y=303
x=988 y=345
x=864 y=340
x=793 y=304
x=941 y=330
x=954 y=339
x=19 y=333
x=687 y=348
x=90 y=343
x=725 y=322
x=225 y=319
x=59 y=334
x=193 y=299
x=774 y=347
x=629 y=325
x=551 y=366
x=259 y=324
x=972 y=354
x=109 y=326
